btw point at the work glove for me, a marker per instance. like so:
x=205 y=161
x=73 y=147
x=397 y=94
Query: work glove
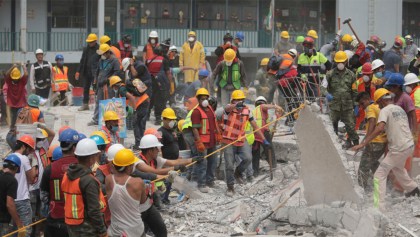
x=197 y=159
x=171 y=176
x=219 y=137
x=130 y=110
x=200 y=146
x=266 y=143
x=22 y=233
x=356 y=110
x=180 y=168
x=329 y=97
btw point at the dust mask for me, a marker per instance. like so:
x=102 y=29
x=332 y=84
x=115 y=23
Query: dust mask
x=239 y=44
x=39 y=144
x=366 y=78
x=205 y=103
x=191 y=39
x=171 y=124
x=340 y=66
x=408 y=89
x=126 y=45
x=103 y=57
x=228 y=64
x=152 y=41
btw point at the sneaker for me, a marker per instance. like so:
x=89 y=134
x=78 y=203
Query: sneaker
x=84 y=107
x=211 y=184
x=92 y=123
x=203 y=189
x=230 y=191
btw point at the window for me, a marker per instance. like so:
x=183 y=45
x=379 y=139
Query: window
x=72 y=13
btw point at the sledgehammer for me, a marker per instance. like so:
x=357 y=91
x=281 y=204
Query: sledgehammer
x=347 y=21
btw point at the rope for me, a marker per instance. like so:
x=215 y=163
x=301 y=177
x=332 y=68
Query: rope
x=24 y=227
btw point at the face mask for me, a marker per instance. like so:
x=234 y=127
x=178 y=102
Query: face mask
x=378 y=74
x=152 y=41
x=103 y=57
x=340 y=66
x=229 y=43
x=205 y=103
x=126 y=45
x=239 y=44
x=191 y=39
x=114 y=128
x=60 y=63
x=366 y=78
x=171 y=124
x=408 y=89
x=228 y=64
x=39 y=144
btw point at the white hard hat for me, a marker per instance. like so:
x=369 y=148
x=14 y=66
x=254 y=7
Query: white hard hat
x=349 y=53
x=410 y=78
x=38 y=51
x=377 y=63
x=173 y=47
x=125 y=63
x=149 y=141
x=112 y=150
x=292 y=52
x=261 y=98
x=153 y=34
x=86 y=147
x=39 y=134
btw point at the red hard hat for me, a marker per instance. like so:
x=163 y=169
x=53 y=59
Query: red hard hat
x=398 y=43
x=367 y=68
x=375 y=39
x=308 y=41
x=28 y=140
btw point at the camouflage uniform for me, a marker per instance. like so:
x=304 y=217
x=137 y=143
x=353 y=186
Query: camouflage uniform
x=341 y=106
x=370 y=162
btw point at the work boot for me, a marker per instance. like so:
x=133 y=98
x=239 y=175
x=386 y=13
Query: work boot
x=249 y=179
x=238 y=177
x=211 y=184
x=415 y=192
x=203 y=189
x=230 y=191
x=92 y=123
x=84 y=107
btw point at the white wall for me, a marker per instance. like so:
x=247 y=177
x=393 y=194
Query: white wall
x=5 y=16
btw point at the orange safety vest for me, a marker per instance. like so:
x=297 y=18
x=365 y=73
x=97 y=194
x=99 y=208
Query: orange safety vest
x=74 y=207
x=44 y=159
x=149 y=51
x=362 y=88
x=139 y=99
x=117 y=54
x=234 y=126
x=105 y=169
x=151 y=188
x=204 y=131
x=60 y=81
x=108 y=134
x=35 y=113
x=417 y=147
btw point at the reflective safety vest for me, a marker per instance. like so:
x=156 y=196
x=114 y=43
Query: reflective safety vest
x=149 y=51
x=250 y=136
x=154 y=65
x=43 y=157
x=151 y=188
x=42 y=75
x=60 y=81
x=236 y=75
x=105 y=169
x=204 y=130
x=139 y=99
x=261 y=118
x=58 y=169
x=117 y=54
x=125 y=52
x=234 y=126
x=187 y=121
x=74 y=209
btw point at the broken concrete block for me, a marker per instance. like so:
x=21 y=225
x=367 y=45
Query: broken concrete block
x=322 y=170
x=282 y=214
x=350 y=219
x=329 y=217
x=415 y=206
x=299 y=216
x=372 y=224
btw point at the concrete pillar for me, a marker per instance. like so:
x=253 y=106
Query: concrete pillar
x=118 y=20
x=101 y=17
x=23 y=29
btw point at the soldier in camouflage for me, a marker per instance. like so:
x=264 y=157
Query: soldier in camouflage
x=341 y=98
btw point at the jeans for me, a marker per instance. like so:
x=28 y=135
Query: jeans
x=225 y=96
x=158 y=102
x=36 y=210
x=204 y=171
x=153 y=220
x=140 y=119
x=244 y=154
x=189 y=140
x=24 y=211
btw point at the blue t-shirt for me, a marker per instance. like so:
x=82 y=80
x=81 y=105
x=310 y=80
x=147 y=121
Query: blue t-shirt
x=390 y=59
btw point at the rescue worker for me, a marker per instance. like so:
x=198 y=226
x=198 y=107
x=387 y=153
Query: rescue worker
x=236 y=115
x=346 y=42
x=227 y=44
x=126 y=195
x=87 y=68
x=102 y=147
x=373 y=151
x=40 y=75
x=329 y=49
x=111 y=126
x=161 y=77
x=232 y=75
x=152 y=44
x=125 y=47
x=341 y=98
x=261 y=117
x=84 y=201
x=286 y=83
x=394 y=121
x=239 y=39
x=299 y=46
x=106 y=169
x=173 y=56
x=107 y=40
x=261 y=78
x=192 y=88
x=412 y=85
x=313 y=34
x=378 y=68
x=60 y=81
x=392 y=57
x=192 y=55
x=415 y=64
x=409 y=53
x=284 y=44
x=108 y=66
x=51 y=193
x=15 y=91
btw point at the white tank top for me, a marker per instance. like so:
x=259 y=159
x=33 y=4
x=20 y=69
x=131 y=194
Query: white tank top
x=125 y=212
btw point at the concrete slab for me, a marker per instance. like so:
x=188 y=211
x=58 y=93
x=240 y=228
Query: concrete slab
x=323 y=173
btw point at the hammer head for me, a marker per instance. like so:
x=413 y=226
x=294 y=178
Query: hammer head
x=346 y=21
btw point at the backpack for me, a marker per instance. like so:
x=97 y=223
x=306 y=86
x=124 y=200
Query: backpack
x=274 y=62
x=131 y=88
x=24 y=116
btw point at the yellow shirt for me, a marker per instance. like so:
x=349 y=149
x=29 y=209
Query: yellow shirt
x=372 y=111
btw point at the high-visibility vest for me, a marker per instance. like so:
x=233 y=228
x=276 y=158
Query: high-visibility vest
x=139 y=99
x=125 y=52
x=187 y=121
x=74 y=209
x=58 y=169
x=234 y=126
x=149 y=51
x=250 y=136
x=154 y=65
x=204 y=131
x=261 y=119
x=61 y=81
x=117 y=54
x=105 y=169
x=236 y=75
x=110 y=136
x=43 y=157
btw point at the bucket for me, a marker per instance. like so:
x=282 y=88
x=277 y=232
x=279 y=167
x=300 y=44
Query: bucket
x=68 y=120
x=77 y=91
x=25 y=129
x=77 y=100
x=49 y=120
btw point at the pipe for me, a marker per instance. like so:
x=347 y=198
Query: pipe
x=118 y=21
x=101 y=17
x=23 y=25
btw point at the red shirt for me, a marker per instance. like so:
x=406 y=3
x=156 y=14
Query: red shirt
x=196 y=123
x=16 y=91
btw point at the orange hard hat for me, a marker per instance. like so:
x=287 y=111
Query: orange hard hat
x=50 y=150
x=28 y=140
x=153 y=131
x=62 y=129
x=287 y=61
x=191 y=103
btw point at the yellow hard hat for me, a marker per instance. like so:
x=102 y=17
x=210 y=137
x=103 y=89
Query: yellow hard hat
x=379 y=93
x=313 y=34
x=125 y=157
x=91 y=37
x=229 y=55
x=111 y=116
x=284 y=34
x=192 y=33
x=114 y=80
x=103 y=48
x=264 y=61
x=340 y=57
x=44 y=133
x=202 y=91
x=104 y=39
x=15 y=74
x=168 y=113
x=238 y=95
x=101 y=134
x=347 y=38
x=180 y=124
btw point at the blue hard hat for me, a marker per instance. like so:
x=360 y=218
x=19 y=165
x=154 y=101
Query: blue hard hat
x=395 y=79
x=14 y=160
x=81 y=136
x=57 y=153
x=240 y=35
x=33 y=100
x=59 y=57
x=98 y=139
x=69 y=135
x=203 y=73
